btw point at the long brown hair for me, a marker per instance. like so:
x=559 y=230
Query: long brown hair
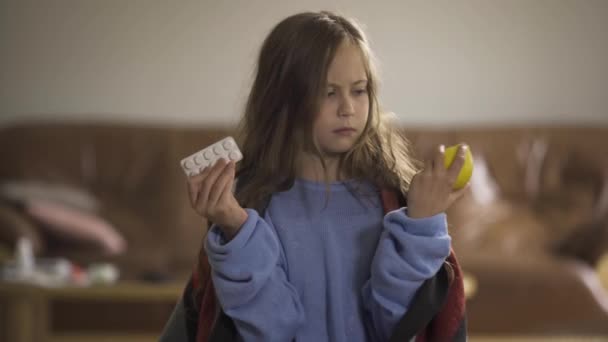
x=285 y=95
x=277 y=122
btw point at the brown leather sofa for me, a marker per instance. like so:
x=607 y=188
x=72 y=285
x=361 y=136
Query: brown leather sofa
x=530 y=229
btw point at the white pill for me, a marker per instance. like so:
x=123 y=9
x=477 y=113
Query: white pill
x=208 y=154
x=227 y=145
x=188 y=164
x=234 y=155
x=217 y=149
x=198 y=159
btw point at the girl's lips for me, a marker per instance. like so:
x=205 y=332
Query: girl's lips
x=344 y=130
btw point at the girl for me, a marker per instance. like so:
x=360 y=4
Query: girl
x=316 y=243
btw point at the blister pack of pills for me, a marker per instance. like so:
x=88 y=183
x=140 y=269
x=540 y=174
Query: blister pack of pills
x=225 y=148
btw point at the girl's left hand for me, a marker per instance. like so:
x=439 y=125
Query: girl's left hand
x=431 y=191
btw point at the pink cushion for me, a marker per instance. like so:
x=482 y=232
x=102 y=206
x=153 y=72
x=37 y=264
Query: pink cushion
x=77 y=224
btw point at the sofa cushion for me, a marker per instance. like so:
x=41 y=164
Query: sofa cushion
x=75 y=224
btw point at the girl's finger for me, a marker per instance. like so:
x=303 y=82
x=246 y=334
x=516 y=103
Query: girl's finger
x=220 y=184
x=194 y=185
x=227 y=191
x=438 y=163
x=458 y=193
x=208 y=183
x=192 y=192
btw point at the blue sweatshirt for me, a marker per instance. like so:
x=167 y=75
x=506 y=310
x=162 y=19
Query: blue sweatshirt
x=324 y=266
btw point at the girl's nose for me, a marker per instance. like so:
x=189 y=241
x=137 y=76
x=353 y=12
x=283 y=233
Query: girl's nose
x=347 y=108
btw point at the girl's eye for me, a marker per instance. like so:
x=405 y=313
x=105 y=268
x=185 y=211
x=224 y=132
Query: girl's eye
x=361 y=91
x=331 y=93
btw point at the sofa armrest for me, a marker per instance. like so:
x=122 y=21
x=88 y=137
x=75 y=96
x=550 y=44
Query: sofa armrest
x=535 y=295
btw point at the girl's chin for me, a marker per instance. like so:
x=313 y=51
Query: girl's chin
x=337 y=151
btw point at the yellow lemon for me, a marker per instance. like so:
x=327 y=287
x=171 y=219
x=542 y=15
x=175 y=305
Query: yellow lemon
x=467 y=169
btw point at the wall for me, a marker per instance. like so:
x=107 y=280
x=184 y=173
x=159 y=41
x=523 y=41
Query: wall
x=463 y=62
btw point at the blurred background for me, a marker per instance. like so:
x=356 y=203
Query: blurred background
x=100 y=100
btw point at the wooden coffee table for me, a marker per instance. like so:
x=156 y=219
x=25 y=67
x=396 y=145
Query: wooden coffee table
x=121 y=312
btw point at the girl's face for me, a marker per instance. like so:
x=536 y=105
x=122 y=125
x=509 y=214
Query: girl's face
x=344 y=105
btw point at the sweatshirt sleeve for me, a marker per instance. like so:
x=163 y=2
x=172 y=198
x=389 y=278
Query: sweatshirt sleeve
x=409 y=252
x=249 y=276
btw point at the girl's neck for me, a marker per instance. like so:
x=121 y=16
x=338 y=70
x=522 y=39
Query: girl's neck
x=310 y=168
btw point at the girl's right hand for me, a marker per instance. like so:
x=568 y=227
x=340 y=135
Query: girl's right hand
x=211 y=196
